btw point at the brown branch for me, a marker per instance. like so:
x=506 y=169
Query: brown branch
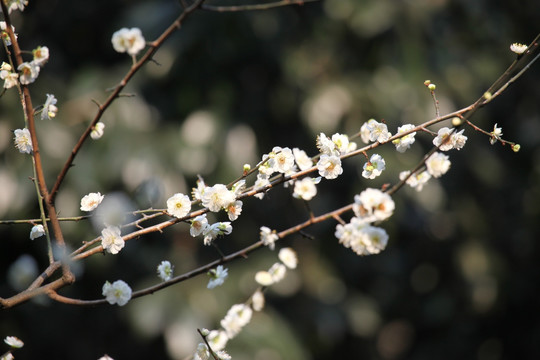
x=154 y=46
x=254 y=7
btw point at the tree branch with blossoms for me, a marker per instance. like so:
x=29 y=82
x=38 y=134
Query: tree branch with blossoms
x=282 y=166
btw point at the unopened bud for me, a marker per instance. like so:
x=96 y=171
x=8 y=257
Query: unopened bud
x=487 y=95
x=427 y=82
x=516 y=147
x=246 y=169
x=456 y=121
x=432 y=87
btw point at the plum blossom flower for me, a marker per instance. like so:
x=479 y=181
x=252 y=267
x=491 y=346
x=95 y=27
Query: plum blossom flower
x=404 y=142
x=288 y=257
x=178 y=205
x=268 y=237
x=260 y=183
x=362 y=238
x=326 y=145
x=202 y=352
x=217 y=339
x=303 y=161
x=111 y=240
x=4 y=34
x=374 y=167
x=234 y=210
x=41 y=55
x=448 y=139
x=305 y=189
x=16 y=5
x=518 y=48
x=373 y=205
x=495 y=134
x=91 y=201
x=217 y=276
x=128 y=40
x=283 y=159
x=217 y=197
x=97 y=131
x=417 y=180
x=10 y=78
x=165 y=270
x=257 y=300
x=14 y=342
x=37 y=231
x=118 y=292
x=378 y=131
x=49 y=108
x=198 y=225
x=213 y=231
x=23 y=141
x=238 y=316
x=437 y=164
x=329 y=166
x=28 y=72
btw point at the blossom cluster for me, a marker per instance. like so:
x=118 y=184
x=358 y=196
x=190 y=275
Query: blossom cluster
x=239 y=315
x=370 y=206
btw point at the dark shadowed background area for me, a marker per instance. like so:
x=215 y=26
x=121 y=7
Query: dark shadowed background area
x=460 y=277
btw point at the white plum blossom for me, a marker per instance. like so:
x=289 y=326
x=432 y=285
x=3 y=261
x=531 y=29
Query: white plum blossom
x=257 y=300
x=448 y=139
x=118 y=292
x=378 y=131
x=264 y=278
x=217 y=339
x=283 y=159
x=23 y=141
x=41 y=55
x=91 y=201
x=14 y=342
x=10 y=78
x=4 y=34
x=217 y=197
x=329 y=166
x=198 y=192
x=305 y=189
x=28 y=72
x=223 y=355
x=404 y=142
x=437 y=164
x=288 y=257
x=111 y=240
x=362 y=238
x=37 y=231
x=234 y=210
x=365 y=130
x=128 y=40
x=178 y=205
x=217 y=276
x=326 y=145
x=238 y=316
x=198 y=225
x=213 y=231
x=165 y=270
x=417 y=180
x=202 y=352
x=303 y=161
x=277 y=271
x=495 y=134
x=374 y=167
x=518 y=48
x=16 y=5
x=238 y=187
x=260 y=183
x=373 y=205
x=268 y=237
x=97 y=131
x=49 y=108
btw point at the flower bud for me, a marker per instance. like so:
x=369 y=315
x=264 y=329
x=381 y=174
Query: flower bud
x=432 y=87
x=516 y=147
x=456 y=121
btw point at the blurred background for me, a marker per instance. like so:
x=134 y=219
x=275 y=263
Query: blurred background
x=460 y=276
